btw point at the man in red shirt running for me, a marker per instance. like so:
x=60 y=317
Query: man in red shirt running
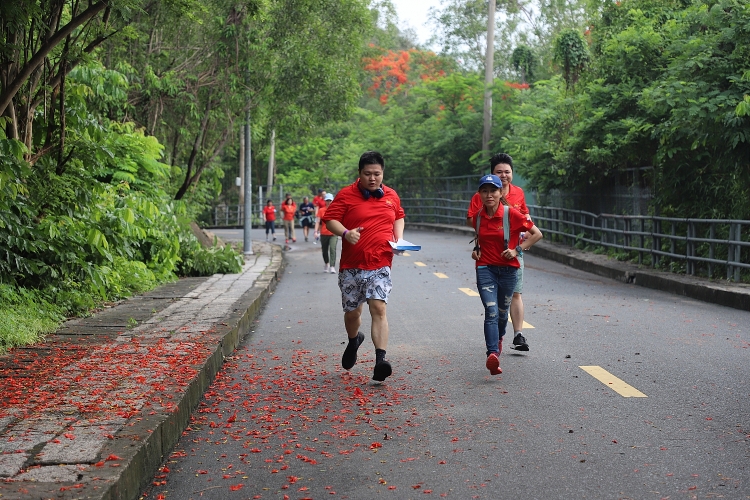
x=367 y=215
x=501 y=165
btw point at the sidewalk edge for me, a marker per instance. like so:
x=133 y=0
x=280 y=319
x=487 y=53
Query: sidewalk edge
x=163 y=431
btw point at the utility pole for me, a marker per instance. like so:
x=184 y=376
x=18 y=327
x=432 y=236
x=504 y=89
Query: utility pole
x=242 y=165
x=248 y=244
x=272 y=162
x=489 y=77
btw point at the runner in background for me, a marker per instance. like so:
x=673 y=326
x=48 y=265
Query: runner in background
x=319 y=203
x=501 y=165
x=328 y=240
x=288 y=209
x=307 y=216
x=269 y=217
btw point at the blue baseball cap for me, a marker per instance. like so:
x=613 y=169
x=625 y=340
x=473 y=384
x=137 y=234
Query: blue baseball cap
x=490 y=179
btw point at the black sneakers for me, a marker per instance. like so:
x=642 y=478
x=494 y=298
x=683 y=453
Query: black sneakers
x=382 y=371
x=349 y=358
x=519 y=342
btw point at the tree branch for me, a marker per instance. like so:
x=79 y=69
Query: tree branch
x=10 y=91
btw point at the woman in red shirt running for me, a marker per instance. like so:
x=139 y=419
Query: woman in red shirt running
x=288 y=209
x=496 y=264
x=269 y=216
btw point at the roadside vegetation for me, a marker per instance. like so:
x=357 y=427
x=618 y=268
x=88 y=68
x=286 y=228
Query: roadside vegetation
x=120 y=120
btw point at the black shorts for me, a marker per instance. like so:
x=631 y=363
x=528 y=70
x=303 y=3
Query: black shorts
x=307 y=221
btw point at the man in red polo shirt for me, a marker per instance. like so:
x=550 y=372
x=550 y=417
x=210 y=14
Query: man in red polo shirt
x=367 y=215
x=501 y=165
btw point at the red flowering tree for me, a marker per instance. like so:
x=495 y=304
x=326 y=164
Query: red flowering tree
x=391 y=73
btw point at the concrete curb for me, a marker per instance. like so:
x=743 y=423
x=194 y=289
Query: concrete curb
x=157 y=436
x=138 y=444
x=735 y=295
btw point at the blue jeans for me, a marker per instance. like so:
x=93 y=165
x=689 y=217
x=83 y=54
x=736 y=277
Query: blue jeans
x=495 y=285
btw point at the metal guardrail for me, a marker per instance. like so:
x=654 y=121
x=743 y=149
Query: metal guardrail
x=695 y=246
x=692 y=246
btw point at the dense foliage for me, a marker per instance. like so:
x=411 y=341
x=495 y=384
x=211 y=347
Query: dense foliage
x=116 y=117
x=667 y=88
x=120 y=119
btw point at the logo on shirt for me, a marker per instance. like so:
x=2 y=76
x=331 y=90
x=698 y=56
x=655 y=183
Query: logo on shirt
x=388 y=202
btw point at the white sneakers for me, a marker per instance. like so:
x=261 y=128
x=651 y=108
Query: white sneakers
x=332 y=270
x=329 y=269
x=325 y=268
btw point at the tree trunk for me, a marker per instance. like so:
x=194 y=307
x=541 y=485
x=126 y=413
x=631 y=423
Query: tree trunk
x=194 y=152
x=489 y=77
x=272 y=161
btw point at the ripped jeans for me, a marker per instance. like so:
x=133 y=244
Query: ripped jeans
x=495 y=285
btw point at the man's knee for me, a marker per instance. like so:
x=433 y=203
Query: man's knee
x=377 y=307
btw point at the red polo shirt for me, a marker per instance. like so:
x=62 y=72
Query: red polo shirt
x=492 y=238
x=375 y=216
x=515 y=197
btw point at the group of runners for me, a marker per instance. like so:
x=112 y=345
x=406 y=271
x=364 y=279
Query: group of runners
x=307 y=212
x=367 y=215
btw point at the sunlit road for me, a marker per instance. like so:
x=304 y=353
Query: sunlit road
x=625 y=393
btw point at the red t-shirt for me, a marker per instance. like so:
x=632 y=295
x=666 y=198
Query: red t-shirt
x=492 y=238
x=515 y=197
x=323 y=228
x=287 y=211
x=319 y=203
x=269 y=213
x=375 y=216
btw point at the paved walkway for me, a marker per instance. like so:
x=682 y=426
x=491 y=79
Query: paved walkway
x=91 y=412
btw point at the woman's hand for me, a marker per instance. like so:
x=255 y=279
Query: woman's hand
x=510 y=253
x=476 y=254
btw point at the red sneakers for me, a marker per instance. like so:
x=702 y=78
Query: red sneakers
x=493 y=364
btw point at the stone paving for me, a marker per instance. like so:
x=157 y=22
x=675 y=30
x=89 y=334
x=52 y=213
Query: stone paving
x=91 y=411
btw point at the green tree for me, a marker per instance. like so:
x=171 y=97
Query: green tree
x=571 y=53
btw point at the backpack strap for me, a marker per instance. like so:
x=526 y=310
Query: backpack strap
x=506 y=225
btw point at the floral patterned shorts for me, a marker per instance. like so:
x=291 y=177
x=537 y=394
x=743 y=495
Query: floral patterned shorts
x=359 y=285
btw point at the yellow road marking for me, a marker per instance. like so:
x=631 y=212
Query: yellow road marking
x=420 y=264
x=526 y=325
x=406 y=254
x=614 y=383
x=469 y=292
x=440 y=275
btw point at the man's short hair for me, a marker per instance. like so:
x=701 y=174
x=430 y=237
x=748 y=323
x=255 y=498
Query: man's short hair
x=500 y=158
x=371 y=158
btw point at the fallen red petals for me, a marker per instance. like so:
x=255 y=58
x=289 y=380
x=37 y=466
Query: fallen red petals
x=236 y=487
x=112 y=457
x=376 y=445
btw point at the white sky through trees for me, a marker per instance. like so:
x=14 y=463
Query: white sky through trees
x=413 y=14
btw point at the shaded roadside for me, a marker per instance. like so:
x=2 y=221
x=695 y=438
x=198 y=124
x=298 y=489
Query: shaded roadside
x=91 y=411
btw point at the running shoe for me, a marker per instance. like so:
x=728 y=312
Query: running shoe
x=349 y=359
x=493 y=364
x=382 y=371
x=519 y=342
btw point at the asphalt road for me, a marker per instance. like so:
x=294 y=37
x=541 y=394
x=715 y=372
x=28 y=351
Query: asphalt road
x=284 y=420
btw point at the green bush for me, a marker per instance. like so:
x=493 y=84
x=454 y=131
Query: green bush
x=195 y=260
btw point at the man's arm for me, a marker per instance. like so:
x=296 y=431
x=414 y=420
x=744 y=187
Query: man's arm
x=350 y=235
x=398 y=229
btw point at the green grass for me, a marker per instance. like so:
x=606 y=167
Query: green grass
x=25 y=317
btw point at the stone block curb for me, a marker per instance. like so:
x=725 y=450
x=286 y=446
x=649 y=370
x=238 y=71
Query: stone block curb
x=735 y=295
x=132 y=454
